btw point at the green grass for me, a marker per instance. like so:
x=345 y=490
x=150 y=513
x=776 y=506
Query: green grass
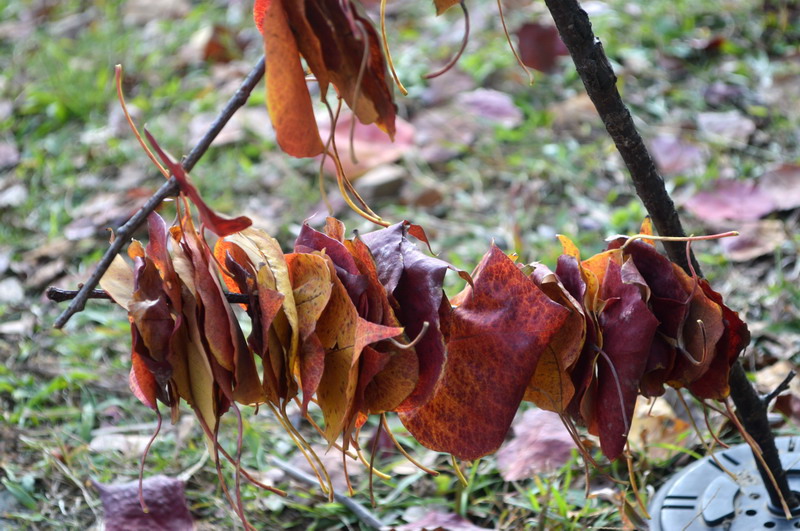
x=57 y=387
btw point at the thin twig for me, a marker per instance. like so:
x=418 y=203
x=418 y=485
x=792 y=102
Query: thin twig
x=168 y=189
x=361 y=513
x=62 y=295
x=783 y=386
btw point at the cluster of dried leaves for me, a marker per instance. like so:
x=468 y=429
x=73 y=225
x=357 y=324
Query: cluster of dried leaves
x=363 y=327
x=341 y=48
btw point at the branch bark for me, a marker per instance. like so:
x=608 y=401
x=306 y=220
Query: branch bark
x=600 y=81
x=168 y=189
x=62 y=295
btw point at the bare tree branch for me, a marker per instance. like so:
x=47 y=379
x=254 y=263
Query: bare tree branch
x=168 y=189
x=62 y=295
x=601 y=85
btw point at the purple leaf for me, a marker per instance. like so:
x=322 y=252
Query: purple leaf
x=492 y=105
x=540 y=444
x=165 y=499
x=731 y=199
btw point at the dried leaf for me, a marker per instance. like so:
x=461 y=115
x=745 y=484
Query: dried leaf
x=165 y=499
x=782 y=184
x=551 y=387
x=731 y=199
x=415 y=280
x=215 y=223
x=288 y=98
x=540 y=445
x=494 y=342
x=628 y=328
x=444 y=5
x=540 y=46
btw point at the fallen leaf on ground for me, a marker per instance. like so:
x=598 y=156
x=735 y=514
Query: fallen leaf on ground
x=540 y=46
x=9 y=155
x=492 y=105
x=129 y=445
x=165 y=499
x=143 y=11
x=730 y=199
x=782 y=184
x=655 y=427
x=725 y=128
x=370 y=144
x=756 y=238
x=574 y=113
x=673 y=155
x=540 y=444
x=445 y=132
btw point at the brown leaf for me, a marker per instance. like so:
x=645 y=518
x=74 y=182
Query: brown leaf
x=415 y=280
x=714 y=384
x=444 y=5
x=756 y=238
x=493 y=344
x=551 y=387
x=217 y=224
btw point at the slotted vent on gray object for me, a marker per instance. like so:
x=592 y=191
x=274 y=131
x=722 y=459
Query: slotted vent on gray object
x=703 y=496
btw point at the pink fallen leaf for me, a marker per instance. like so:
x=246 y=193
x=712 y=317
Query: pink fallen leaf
x=165 y=499
x=782 y=184
x=674 y=155
x=731 y=199
x=540 y=444
x=756 y=238
x=726 y=128
x=371 y=144
x=492 y=105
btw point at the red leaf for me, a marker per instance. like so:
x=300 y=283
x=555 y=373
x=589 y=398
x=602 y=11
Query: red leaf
x=627 y=327
x=495 y=339
x=714 y=383
x=215 y=223
x=540 y=46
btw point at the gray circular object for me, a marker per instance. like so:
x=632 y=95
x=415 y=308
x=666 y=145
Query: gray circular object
x=703 y=496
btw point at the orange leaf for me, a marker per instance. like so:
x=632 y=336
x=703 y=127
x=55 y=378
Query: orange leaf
x=551 y=387
x=444 y=5
x=288 y=98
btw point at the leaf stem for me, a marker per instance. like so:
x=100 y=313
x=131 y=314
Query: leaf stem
x=168 y=189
